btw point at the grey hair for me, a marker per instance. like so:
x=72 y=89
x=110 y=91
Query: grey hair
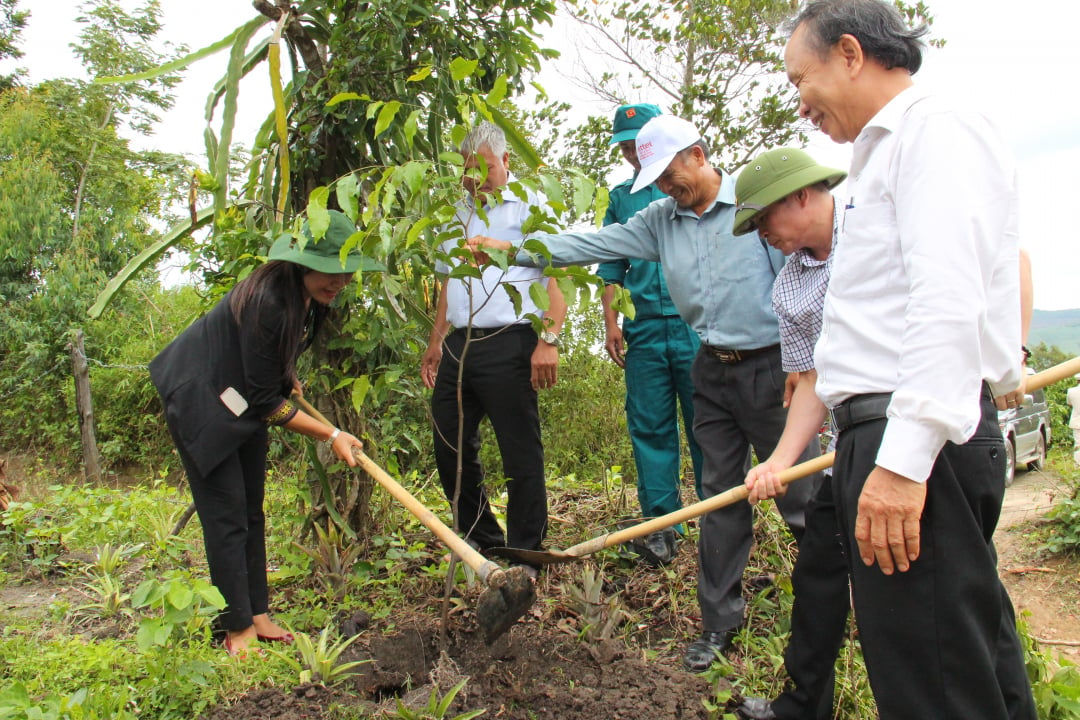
x=486 y=134
x=685 y=152
x=876 y=24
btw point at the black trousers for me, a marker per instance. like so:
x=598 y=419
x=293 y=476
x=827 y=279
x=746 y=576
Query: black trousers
x=819 y=615
x=495 y=382
x=229 y=501
x=940 y=639
x=736 y=407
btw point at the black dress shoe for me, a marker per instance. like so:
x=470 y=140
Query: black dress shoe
x=756 y=709
x=703 y=651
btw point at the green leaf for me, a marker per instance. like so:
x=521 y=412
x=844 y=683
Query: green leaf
x=460 y=68
x=386 y=116
x=238 y=61
x=412 y=174
x=417 y=227
x=498 y=91
x=146 y=258
x=412 y=124
x=452 y=158
x=600 y=205
x=553 y=190
x=422 y=73
x=327 y=492
x=464 y=270
x=347 y=191
x=150 y=630
x=516 y=139
x=515 y=296
x=180 y=596
x=539 y=295
x=318 y=216
x=360 y=389
x=583 y=193
x=181 y=63
x=345 y=96
x=211 y=595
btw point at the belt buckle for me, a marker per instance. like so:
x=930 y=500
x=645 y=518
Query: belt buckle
x=726 y=356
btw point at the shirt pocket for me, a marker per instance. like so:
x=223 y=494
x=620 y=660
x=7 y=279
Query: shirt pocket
x=867 y=256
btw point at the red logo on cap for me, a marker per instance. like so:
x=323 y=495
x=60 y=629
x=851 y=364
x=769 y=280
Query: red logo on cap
x=630 y=112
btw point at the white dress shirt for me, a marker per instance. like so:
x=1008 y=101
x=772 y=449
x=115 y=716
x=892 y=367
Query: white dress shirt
x=486 y=299
x=924 y=300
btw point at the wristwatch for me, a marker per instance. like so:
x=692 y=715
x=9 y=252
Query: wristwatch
x=550 y=338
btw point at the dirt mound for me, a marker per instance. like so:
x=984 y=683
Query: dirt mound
x=525 y=674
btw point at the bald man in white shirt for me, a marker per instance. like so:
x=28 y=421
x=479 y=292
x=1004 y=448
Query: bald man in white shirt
x=921 y=331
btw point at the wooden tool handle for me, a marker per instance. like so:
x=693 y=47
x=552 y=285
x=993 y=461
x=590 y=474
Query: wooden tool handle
x=483 y=567
x=733 y=495
x=728 y=497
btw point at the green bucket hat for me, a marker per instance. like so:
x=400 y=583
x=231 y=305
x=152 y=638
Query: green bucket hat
x=771 y=177
x=324 y=255
x=629 y=119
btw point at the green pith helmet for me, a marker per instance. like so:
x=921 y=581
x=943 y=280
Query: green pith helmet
x=771 y=177
x=324 y=255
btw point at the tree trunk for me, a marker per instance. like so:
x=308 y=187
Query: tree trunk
x=85 y=409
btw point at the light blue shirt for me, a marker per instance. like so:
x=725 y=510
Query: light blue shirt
x=721 y=284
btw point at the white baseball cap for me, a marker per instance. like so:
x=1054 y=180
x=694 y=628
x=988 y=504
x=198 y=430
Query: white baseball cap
x=658 y=142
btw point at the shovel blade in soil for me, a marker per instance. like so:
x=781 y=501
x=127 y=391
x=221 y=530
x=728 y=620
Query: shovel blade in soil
x=509 y=595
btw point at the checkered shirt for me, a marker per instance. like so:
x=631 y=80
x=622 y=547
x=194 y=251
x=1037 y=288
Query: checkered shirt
x=798 y=297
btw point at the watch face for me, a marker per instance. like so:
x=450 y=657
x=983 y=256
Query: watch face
x=550 y=338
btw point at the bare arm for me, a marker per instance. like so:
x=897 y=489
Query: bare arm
x=1027 y=306
x=613 y=342
x=429 y=364
x=342 y=442
x=545 y=358
x=805 y=417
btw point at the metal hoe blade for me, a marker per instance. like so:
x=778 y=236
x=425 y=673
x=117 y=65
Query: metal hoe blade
x=509 y=595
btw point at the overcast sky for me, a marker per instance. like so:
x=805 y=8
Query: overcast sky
x=1014 y=60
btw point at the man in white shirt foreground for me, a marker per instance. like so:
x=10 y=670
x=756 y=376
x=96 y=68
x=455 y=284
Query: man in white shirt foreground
x=921 y=330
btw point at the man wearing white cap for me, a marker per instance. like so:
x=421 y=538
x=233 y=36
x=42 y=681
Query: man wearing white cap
x=656 y=348
x=721 y=286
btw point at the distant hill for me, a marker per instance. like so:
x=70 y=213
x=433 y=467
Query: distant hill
x=1056 y=327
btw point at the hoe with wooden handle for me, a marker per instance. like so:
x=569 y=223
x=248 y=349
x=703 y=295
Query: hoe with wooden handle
x=509 y=594
x=728 y=497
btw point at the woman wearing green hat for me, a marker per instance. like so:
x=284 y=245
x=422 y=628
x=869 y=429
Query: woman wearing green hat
x=223 y=381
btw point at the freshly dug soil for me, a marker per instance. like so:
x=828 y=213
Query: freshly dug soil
x=527 y=673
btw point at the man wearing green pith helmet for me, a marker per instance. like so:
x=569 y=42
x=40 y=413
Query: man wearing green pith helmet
x=784 y=195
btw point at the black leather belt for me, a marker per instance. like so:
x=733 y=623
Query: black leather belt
x=477 y=332
x=859 y=409
x=731 y=357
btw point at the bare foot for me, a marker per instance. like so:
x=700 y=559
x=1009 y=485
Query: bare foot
x=238 y=642
x=267 y=630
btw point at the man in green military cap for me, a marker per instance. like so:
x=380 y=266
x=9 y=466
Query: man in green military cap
x=656 y=349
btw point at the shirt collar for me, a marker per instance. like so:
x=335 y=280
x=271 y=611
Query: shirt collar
x=805 y=258
x=507 y=194
x=888 y=118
